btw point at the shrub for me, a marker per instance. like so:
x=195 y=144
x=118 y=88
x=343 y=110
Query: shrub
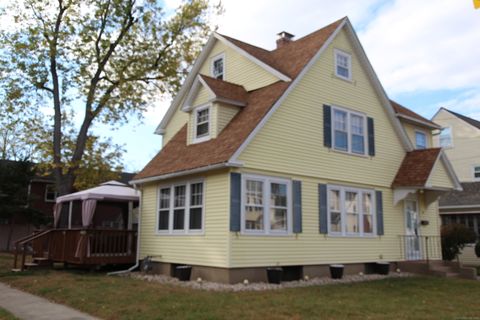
x=454 y=238
x=477 y=249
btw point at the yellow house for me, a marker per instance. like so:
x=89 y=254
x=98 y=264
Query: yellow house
x=292 y=157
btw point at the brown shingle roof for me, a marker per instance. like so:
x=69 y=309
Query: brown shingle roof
x=177 y=156
x=416 y=167
x=470 y=195
x=227 y=90
x=401 y=110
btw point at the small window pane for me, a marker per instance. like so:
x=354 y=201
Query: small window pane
x=203 y=117
x=254 y=192
x=254 y=218
x=367 y=224
x=163 y=220
x=335 y=222
x=343 y=65
x=196 y=218
x=179 y=219
x=278 y=195
x=358 y=134
x=351 y=208
x=218 y=69
x=278 y=219
x=165 y=198
x=196 y=194
x=334 y=200
x=420 y=140
x=179 y=200
x=340 y=120
x=340 y=128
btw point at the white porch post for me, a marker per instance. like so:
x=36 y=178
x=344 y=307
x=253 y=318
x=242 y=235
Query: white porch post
x=70 y=215
x=130 y=215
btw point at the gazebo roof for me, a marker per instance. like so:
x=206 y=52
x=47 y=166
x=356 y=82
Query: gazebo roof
x=111 y=190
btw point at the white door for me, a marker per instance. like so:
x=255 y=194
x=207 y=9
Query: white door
x=412 y=232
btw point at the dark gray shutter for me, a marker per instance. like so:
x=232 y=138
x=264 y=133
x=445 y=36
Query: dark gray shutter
x=322 y=208
x=327 y=126
x=235 y=201
x=297 y=206
x=379 y=197
x=371 y=137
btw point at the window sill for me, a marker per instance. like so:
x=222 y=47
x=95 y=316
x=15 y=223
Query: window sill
x=366 y=156
x=201 y=139
x=348 y=80
x=180 y=233
x=263 y=234
x=348 y=236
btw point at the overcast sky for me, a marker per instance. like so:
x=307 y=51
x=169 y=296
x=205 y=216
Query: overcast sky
x=426 y=53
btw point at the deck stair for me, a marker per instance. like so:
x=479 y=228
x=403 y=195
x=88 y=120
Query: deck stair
x=446 y=269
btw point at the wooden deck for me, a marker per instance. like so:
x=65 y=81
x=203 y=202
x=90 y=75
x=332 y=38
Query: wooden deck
x=79 y=247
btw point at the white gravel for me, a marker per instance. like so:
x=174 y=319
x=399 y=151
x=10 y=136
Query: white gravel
x=259 y=286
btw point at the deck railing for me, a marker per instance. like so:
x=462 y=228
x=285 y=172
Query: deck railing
x=80 y=246
x=415 y=247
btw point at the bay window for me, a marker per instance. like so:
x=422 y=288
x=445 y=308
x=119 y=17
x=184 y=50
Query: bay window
x=350 y=211
x=266 y=205
x=349 y=131
x=180 y=208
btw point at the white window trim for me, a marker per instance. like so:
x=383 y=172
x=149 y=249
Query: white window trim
x=186 y=230
x=426 y=138
x=206 y=137
x=349 y=133
x=451 y=138
x=266 y=206
x=338 y=52
x=343 y=213
x=473 y=172
x=46 y=191
x=215 y=58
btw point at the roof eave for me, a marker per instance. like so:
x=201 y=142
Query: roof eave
x=418 y=121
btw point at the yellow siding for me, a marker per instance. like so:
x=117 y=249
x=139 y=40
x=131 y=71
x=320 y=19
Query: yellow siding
x=291 y=145
x=466 y=145
x=310 y=247
x=178 y=120
x=439 y=177
x=209 y=249
x=411 y=129
x=239 y=69
x=292 y=139
x=225 y=113
x=203 y=95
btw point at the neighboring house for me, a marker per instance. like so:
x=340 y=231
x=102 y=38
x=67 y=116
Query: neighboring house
x=293 y=157
x=460 y=138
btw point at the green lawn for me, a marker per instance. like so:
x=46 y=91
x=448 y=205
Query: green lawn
x=125 y=298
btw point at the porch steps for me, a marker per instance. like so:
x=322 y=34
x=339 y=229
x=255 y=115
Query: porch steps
x=439 y=268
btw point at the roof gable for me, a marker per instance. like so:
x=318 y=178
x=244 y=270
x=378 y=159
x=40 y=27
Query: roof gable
x=470 y=121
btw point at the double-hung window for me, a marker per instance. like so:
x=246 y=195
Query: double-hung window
x=420 y=140
x=343 y=65
x=266 y=205
x=350 y=211
x=50 y=193
x=218 y=67
x=181 y=208
x=349 y=131
x=202 y=124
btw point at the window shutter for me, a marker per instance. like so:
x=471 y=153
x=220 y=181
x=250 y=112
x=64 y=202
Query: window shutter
x=371 y=137
x=297 y=206
x=379 y=197
x=235 y=201
x=322 y=208
x=327 y=126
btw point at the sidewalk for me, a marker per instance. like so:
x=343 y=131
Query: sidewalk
x=27 y=306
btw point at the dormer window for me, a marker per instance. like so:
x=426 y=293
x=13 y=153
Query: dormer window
x=218 y=67
x=343 y=65
x=420 y=140
x=202 y=124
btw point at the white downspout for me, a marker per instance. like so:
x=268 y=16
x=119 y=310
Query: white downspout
x=137 y=263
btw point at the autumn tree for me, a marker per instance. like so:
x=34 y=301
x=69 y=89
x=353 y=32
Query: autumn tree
x=102 y=61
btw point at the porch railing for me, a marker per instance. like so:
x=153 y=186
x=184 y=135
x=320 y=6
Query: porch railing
x=415 y=247
x=80 y=246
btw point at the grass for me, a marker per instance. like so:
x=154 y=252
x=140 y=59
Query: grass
x=125 y=298
x=5 y=315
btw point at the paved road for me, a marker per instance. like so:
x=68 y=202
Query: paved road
x=27 y=306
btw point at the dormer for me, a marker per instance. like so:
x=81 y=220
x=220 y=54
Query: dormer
x=211 y=104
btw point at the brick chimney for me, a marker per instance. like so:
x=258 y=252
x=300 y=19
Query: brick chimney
x=284 y=38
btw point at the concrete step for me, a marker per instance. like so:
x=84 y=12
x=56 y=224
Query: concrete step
x=16 y=270
x=31 y=265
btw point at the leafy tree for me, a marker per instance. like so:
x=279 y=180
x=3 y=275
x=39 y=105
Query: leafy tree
x=99 y=60
x=454 y=238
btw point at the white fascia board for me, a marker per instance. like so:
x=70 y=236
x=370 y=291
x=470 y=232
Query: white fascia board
x=185 y=172
x=407 y=144
x=186 y=85
x=293 y=85
x=258 y=62
x=188 y=103
x=419 y=122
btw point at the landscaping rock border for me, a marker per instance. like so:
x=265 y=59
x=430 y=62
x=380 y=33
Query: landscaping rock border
x=260 y=286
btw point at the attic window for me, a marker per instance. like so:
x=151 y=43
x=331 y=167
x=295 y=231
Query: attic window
x=218 y=67
x=343 y=65
x=202 y=124
x=446 y=138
